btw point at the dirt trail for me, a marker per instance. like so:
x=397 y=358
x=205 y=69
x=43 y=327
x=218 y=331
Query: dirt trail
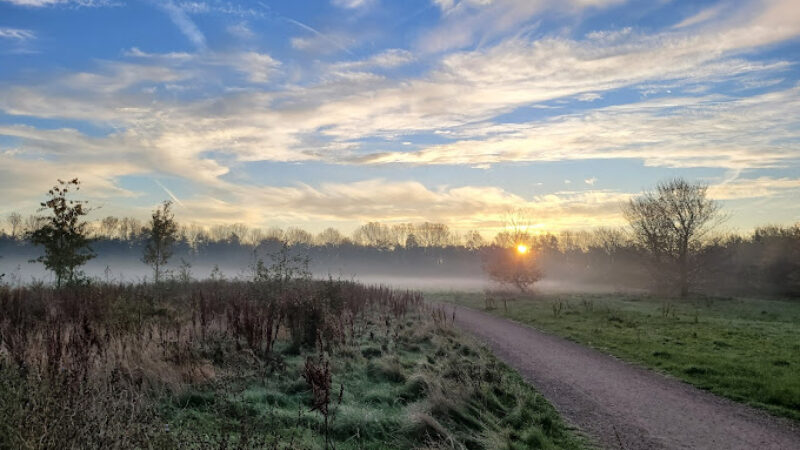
x=621 y=405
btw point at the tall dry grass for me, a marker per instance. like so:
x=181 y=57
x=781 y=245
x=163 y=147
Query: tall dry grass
x=85 y=367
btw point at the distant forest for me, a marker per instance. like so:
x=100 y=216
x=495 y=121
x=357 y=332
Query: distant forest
x=764 y=262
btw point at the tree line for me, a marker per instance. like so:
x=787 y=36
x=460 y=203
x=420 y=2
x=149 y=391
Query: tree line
x=372 y=234
x=672 y=245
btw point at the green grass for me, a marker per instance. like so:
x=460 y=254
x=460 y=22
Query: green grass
x=416 y=386
x=195 y=368
x=745 y=349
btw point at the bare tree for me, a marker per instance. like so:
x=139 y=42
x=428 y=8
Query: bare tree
x=109 y=226
x=254 y=237
x=15 y=221
x=512 y=260
x=34 y=222
x=130 y=228
x=162 y=233
x=274 y=233
x=194 y=234
x=374 y=234
x=516 y=230
x=670 y=223
x=431 y=234
x=473 y=240
x=516 y=267
x=298 y=236
x=330 y=236
x=239 y=230
x=221 y=233
x=401 y=232
x=63 y=234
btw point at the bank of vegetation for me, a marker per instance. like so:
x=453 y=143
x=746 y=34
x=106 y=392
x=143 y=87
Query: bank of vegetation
x=260 y=364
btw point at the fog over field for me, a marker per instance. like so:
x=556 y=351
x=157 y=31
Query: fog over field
x=399 y=224
x=438 y=273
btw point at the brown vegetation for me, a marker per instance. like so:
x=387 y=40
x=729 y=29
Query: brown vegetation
x=81 y=367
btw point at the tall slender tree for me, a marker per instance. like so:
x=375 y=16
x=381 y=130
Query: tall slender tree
x=162 y=232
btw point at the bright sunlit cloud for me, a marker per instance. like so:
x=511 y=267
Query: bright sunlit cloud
x=343 y=112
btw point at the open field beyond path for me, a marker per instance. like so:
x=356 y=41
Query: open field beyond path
x=622 y=405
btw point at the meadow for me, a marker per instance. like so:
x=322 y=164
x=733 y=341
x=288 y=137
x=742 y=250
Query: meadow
x=746 y=349
x=284 y=364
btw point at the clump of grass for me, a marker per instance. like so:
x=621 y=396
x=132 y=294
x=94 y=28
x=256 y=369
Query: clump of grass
x=387 y=369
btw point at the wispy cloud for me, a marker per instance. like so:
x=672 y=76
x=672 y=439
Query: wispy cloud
x=241 y=30
x=745 y=188
x=16 y=34
x=758 y=131
x=303 y=43
x=701 y=17
x=466 y=22
x=182 y=20
x=695 y=95
x=465 y=207
x=351 y=4
x=386 y=59
x=43 y=3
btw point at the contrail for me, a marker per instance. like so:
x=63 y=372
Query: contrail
x=318 y=33
x=185 y=24
x=177 y=200
x=307 y=28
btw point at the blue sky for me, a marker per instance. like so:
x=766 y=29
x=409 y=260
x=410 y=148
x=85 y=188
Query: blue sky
x=337 y=112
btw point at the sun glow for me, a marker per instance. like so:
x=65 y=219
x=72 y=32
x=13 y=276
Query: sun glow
x=522 y=249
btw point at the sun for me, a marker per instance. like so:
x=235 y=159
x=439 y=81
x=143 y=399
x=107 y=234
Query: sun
x=522 y=249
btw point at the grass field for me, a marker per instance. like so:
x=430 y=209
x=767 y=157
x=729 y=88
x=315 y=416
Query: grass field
x=745 y=349
x=228 y=365
x=414 y=387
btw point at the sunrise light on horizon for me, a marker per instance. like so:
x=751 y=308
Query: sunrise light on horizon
x=334 y=113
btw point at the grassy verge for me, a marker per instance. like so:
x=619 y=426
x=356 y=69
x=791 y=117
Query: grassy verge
x=408 y=385
x=241 y=365
x=745 y=349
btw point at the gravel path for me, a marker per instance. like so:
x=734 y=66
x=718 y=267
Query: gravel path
x=621 y=405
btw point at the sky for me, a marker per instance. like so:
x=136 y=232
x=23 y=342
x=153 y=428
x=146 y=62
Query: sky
x=338 y=112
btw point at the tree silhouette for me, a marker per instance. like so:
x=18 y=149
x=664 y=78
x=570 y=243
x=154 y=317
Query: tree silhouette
x=512 y=261
x=669 y=223
x=15 y=221
x=510 y=267
x=63 y=234
x=161 y=236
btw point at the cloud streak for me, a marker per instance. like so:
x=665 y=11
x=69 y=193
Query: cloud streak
x=184 y=23
x=17 y=34
x=692 y=95
x=171 y=195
